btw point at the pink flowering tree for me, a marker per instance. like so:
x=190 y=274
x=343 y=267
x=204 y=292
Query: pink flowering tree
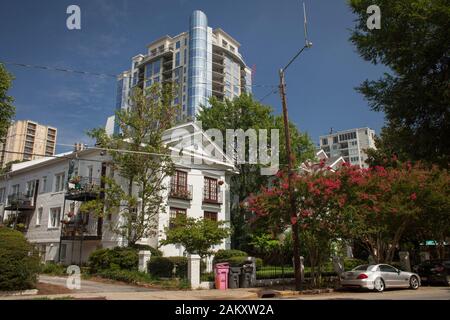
x=320 y=217
x=382 y=204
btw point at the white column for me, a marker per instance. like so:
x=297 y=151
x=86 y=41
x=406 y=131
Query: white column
x=144 y=258
x=194 y=270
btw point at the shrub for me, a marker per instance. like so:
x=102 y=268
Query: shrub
x=163 y=266
x=155 y=252
x=350 y=263
x=53 y=269
x=125 y=276
x=19 y=263
x=118 y=258
x=223 y=254
x=240 y=261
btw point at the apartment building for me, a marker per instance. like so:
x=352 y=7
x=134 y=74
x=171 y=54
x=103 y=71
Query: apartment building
x=350 y=144
x=202 y=62
x=27 y=140
x=42 y=198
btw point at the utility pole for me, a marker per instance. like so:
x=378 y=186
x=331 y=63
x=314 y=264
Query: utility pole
x=291 y=164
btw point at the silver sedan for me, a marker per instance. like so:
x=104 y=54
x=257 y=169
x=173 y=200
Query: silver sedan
x=379 y=277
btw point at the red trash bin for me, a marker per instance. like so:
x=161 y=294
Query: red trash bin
x=221 y=272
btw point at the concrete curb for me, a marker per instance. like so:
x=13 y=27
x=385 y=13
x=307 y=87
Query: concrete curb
x=287 y=293
x=29 y=292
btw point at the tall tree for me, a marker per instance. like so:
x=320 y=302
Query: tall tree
x=7 y=109
x=414 y=42
x=144 y=163
x=246 y=113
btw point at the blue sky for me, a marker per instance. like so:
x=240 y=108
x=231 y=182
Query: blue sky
x=320 y=84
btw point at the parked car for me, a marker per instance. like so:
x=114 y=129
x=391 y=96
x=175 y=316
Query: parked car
x=434 y=271
x=379 y=277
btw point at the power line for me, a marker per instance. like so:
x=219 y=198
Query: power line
x=99 y=74
x=60 y=69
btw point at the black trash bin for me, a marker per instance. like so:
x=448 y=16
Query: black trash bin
x=233 y=277
x=245 y=280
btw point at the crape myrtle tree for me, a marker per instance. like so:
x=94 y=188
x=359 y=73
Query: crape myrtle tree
x=141 y=167
x=414 y=95
x=321 y=218
x=244 y=112
x=377 y=206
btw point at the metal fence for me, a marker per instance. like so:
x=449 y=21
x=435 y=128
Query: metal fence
x=275 y=272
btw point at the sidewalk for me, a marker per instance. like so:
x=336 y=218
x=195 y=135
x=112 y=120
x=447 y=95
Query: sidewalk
x=234 y=294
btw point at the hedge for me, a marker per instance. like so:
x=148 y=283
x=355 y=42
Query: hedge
x=19 y=262
x=163 y=266
x=118 y=258
x=223 y=254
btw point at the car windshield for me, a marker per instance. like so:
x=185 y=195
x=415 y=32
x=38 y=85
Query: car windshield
x=363 y=267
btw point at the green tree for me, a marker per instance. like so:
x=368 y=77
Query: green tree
x=246 y=113
x=143 y=161
x=197 y=236
x=7 y=110
x=414 y=42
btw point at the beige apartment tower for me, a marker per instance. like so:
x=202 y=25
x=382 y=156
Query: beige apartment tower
x=27 y=140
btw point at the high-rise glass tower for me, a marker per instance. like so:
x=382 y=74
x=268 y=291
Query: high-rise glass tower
x=202 y=61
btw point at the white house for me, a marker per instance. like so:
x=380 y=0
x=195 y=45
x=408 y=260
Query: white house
x=37 y=197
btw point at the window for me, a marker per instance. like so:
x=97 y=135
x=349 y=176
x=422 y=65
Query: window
x=55 y=217
x=90 y=173
x=180 y=179
x=59 y=182
x=185 y=41
x=224 y=43
x=177 y=59
x=63 y=251
x=161 y=48
x=177 y=45
x=208 y=215
x=44 y=184
x=30 y=188
x=174 y=213
x=210 y=191
x=148 y=70
x=39 y=217
x=324 y=141
x=386 y=268
x=231 y=48
x=15 y=189
x=156 y=67
x=185 y=58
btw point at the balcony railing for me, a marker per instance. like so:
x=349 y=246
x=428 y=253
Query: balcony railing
x=213 y=195
x=179 y=191
x=20 y=201
x=78 y=227
x=83 y=188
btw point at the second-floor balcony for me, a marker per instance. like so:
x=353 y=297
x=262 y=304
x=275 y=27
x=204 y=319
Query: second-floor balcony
x=81 y=226
x=213 y=195
x=20 y=202
x=180 y=191
x=83 y=188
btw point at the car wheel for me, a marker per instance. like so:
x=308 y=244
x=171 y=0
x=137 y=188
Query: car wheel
x=414 y=283
x=378 y=285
